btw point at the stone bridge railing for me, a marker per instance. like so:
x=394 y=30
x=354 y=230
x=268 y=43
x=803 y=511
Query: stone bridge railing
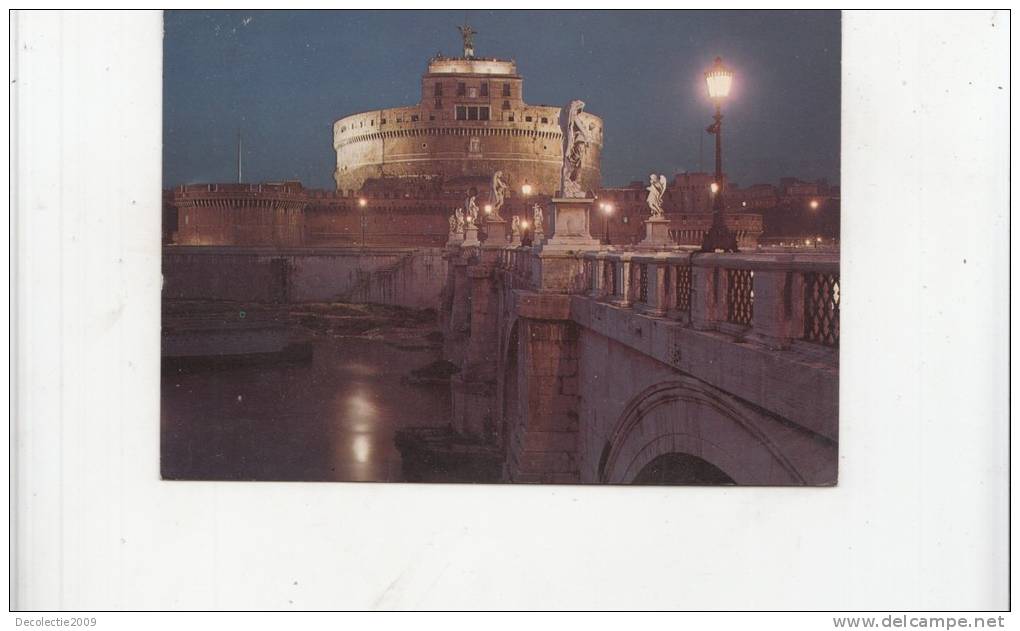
x=776 y=299
x=616 y=365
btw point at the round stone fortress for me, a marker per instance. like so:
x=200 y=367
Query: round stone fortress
x=471 y=121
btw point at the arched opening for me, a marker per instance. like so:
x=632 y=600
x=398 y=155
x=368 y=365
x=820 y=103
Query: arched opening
x=669 y=431
x=678 y=469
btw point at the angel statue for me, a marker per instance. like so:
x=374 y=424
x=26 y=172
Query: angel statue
x=499 y=193
x=459 y=215
x=539 y=228
x=472 y=210
x=515 y=227
x=453 y=223
x=575 y=145
x=656 y=189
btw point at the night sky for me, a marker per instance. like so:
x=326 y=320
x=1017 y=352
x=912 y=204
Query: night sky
x=283 y=77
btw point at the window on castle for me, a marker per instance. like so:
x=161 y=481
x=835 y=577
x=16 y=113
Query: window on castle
x=506 y=105
x=545 y=120
x=506 y=90
x=528 y=119
x=483 y=113
x=382 y=122
x=437 y=89
x=439 y=103
x=472 y=113
x=473 y=92
x=414 y=117
x=461 y=113
x=485 y=89
x=461 y=89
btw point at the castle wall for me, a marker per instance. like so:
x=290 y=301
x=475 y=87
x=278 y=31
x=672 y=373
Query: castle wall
x=394 y=276
x=415 y=141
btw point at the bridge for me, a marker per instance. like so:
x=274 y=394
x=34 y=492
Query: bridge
x=607 y=365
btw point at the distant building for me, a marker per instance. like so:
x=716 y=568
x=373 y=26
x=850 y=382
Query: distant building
x=793 y=211
x=471 y=121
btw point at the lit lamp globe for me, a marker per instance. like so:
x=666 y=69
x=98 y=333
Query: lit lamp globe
x=719 y=79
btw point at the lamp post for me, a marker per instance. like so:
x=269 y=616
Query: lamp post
x=719 y=79
x=607 y=209
x=363 y=204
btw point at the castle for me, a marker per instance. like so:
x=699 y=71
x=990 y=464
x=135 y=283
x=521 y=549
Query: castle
x=401 y=171
x=471 y=121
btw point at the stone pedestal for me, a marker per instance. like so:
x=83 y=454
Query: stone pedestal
x=471 y=236
x=656 y=234
x=456 y=238
x=572 y=225
x=495 y=229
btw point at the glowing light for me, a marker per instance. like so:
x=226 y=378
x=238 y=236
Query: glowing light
x=714 y=187
x=743 y=203
x=362 y=202
x=360 y=408
x=807 y=241
x=362 y=448
x=719 y=79
x=524 y=224
x=526 y=189
x=814 y=204
x=607 y=208
x=488 y=209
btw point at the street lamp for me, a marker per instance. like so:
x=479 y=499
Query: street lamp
x=607 y=209
x=814 y=204
x=719 y=79
x=363 y=203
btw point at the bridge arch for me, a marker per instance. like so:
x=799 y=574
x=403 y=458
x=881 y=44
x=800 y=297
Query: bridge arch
x=677 y=423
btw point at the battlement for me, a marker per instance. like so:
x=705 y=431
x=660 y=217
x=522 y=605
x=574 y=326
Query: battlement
x=472 y=66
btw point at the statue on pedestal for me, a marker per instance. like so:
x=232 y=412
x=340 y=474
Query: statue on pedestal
x=575 y=145
x=472 y=210
x=656 y=189
x=539 y=228
x=468 y=35
x=499 y=193
x=461 y=222
x=453 y=223
x=515 y=229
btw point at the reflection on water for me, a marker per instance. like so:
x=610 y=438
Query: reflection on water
x=333 y=418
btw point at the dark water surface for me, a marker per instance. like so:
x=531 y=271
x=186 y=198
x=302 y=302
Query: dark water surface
x=332 y=418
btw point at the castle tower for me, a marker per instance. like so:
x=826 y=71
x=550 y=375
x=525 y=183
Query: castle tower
x=471 y=121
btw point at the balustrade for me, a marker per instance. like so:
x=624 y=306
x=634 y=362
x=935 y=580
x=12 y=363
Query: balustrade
x=776 y=300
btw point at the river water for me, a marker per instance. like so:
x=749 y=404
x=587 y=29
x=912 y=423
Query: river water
x=332 y=418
